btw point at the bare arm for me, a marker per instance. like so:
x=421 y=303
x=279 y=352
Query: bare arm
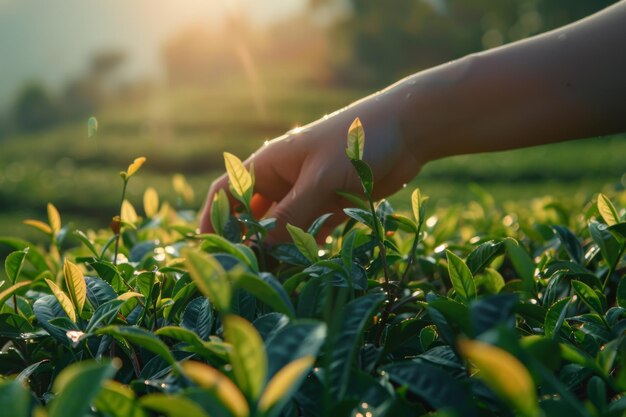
x=566 y=84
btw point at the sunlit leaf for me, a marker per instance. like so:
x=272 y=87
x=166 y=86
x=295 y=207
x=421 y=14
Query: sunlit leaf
x=416 y=205
x=504 y=374
x=128 y=213
x=589 y=296
x=247 y=356
x=239 y=178
x=63 y=299
x=39 y=225
x=461 y=277
x=285 y=383
x=54 y=218
x=172 y=406
x=182 y=188
x=143 y=338
x=356 y=140
x=210 y=278
x=128 y=295
x=134 y=166
x=75 y=284
x=210 y=378
x=607 y=210
x=150 y=202
x=220 y=211
x=118 y=400
x=304 y=242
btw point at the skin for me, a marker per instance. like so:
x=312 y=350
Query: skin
x=562 y=85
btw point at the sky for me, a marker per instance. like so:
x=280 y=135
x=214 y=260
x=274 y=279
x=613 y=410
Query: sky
x=52 y=40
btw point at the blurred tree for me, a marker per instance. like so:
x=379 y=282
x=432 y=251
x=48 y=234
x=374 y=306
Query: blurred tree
x=377 y=42
x=34 y=108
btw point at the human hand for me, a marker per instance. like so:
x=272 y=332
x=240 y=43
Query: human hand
x=298 y=174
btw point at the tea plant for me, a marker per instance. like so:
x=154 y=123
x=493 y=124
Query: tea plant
x=474 y=313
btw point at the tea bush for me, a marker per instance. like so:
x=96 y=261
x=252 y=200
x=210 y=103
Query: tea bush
x=474 y=313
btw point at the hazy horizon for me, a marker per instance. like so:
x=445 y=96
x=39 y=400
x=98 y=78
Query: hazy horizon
x=53 y=41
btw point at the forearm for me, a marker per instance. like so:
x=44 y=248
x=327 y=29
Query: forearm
x=566 y=84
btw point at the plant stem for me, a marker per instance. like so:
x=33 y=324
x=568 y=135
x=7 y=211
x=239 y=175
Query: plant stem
x=383 y=257
x=612 y=267
x=117 y=240
x=412 y=254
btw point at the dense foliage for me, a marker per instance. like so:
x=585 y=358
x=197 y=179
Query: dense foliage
x=449 y=314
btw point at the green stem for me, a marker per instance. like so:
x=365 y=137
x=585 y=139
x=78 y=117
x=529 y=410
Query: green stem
x=383 y=257
x=412 y=255
x=117 y=240
x=612 y=267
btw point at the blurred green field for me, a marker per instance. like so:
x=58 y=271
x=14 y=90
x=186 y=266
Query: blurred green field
x=186 y=132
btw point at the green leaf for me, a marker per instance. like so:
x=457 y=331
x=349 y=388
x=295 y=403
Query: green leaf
x=304 y=242
x=356 y=140
x=172 y=406
x=15 y=399
x=239 y=179
x=490 y=280
x=317 y=224
x=210 y=278
x=207 y=350
x=143 y=338
x=571 y=243
x=220 y=211
x=294 y=341
x=75 y=283
x=523 y=264
x=362 y=216
x=504 y=374
x=198 y=317
x=247 y=356
x=607 y=210
x=83 y=238
x=104 y=314
x=117 y=400
x=13 y=264
x=92 y=126
x=214 y=243
x=256 y=286
x=621 y=293
x=77 y=385
x=588 y=296
x=483 y=255
x=345 y=342
x=365 y=175
x=609 y=246
x=433 y=385
x=556 y=316
x=461 y=277
x=63 y=299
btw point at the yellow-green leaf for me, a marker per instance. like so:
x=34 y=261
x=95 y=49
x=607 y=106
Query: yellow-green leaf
x=504 y=374
x=182 y=187
x=75 y=283
x=220 y=211
x=134 y=167
x=4 y=295
x=39 y=225
x=416 y=205
x=304 y=242
x=247 y=356
x=284 y=381
x=239 y=178
x=128 y=213
x=210 y=278
x=607 y=210
x=63 y=299
x=128 y=295
x=54 y=218
x=210 y=378
x=356 y=140
x=150 y=202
